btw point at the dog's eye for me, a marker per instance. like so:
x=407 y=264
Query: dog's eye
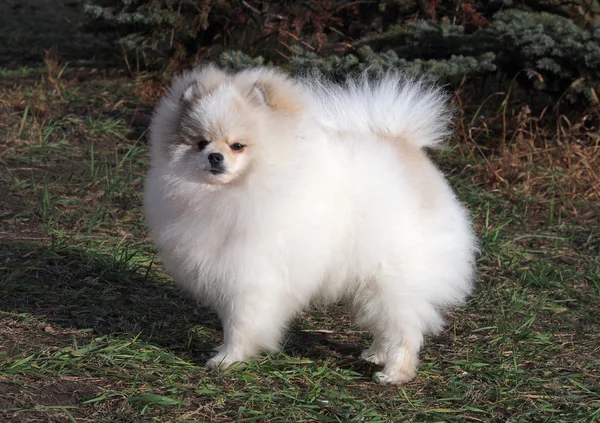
x=202 y=144
x=237 y=146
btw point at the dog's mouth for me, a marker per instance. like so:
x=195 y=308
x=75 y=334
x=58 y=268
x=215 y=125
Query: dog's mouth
x=216 y=170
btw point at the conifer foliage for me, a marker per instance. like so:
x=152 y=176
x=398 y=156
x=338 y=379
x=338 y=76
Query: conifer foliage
x=552 y=46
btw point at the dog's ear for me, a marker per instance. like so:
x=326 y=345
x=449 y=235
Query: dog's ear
x=257 y=95
x=205 y=80
x=277 y=92
x=193 y=92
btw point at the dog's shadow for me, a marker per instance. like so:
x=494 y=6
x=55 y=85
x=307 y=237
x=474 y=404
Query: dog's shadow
x=342 y=347
x=72 y=288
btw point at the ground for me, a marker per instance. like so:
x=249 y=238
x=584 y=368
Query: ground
x=92 y=330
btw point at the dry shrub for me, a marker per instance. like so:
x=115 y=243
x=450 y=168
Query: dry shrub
x=550 y=161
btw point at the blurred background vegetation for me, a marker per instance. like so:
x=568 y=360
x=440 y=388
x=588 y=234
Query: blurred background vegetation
x=549 y=48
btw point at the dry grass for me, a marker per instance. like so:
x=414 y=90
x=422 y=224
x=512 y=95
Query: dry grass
x=547 y=159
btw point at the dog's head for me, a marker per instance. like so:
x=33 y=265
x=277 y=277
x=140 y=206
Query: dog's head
x=229 y=123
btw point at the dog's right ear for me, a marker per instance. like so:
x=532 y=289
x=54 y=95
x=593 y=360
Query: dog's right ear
x=193 y=92
x=205 y=80
x=276 y=91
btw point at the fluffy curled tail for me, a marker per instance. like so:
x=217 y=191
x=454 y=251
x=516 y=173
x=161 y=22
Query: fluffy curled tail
x=393 y=106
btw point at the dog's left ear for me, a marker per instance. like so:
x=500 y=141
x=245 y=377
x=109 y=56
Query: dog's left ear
x=277 y=92
x=257 y=95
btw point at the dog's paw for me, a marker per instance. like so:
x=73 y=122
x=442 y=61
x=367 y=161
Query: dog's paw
x=221 y=360
x=372 y=357
x=394 y=378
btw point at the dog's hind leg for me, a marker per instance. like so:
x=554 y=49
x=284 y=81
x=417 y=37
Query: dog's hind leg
x=398 y=318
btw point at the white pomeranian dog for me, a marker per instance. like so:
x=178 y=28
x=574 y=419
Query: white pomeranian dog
x=267 y=193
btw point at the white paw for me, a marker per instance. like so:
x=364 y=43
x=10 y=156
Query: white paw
x=221 y=360
x=372 y=357
x=394 y=378
x=383 y=378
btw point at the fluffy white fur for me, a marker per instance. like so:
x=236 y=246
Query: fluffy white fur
x=331 y=199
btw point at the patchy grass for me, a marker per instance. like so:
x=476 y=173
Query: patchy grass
x=92 y=330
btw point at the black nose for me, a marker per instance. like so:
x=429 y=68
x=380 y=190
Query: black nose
x=215 y=159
